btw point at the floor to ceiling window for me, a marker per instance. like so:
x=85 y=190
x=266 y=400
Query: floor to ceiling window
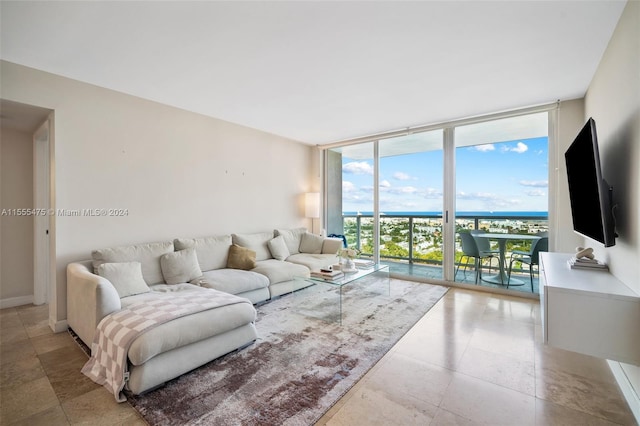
x=501 y=178
x=350 y=195
x=406 y=199
x=411 y=189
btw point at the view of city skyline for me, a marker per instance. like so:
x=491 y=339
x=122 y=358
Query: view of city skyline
x=503 y=176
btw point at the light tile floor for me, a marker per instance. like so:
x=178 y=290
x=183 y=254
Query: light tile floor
x=475 y=358
x=40 y=379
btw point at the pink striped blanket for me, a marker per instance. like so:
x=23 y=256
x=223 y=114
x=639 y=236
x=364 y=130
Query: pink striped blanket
x=117 y=331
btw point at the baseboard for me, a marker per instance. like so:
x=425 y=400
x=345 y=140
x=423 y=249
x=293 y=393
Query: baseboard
x=58 y=326
x=633 y=399
x=16 y=301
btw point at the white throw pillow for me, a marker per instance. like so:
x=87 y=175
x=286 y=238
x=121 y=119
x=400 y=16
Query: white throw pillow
x=212 y=252
x=278 y=248
x=331 y=245
x=126 y=277
x=292 y=238
x=311 y=243
x=147 y=254
x=180 y=266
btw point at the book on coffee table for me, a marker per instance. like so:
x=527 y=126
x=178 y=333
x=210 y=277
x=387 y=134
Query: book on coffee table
x=327 y=275
x=364 y=263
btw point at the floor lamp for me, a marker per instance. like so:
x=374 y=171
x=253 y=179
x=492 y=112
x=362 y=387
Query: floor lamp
x=312 y=207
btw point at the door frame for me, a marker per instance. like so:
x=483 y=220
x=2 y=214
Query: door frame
x=41 y=222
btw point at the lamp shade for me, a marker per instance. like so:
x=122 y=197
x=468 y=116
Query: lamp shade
x=312 y=204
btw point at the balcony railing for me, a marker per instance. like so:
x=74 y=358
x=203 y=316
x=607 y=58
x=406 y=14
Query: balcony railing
x=418 y=238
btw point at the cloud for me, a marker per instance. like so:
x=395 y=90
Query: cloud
x=401 y=190
x=484 y=148
x=358 y=168
x=408 y=190
x=484 y=196
x=392 y=205
x=520 y=148
x=535 y=193
x=432 y=193
x=401 y=176
x=385 y=184
x=348 y=186
x=535 y=183
x=486 y=201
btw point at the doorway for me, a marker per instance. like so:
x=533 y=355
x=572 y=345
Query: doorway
x=29 y=125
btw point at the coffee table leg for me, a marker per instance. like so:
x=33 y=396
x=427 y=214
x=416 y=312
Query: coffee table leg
x=340 y=313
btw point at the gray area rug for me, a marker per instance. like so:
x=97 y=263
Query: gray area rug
x=300 y=365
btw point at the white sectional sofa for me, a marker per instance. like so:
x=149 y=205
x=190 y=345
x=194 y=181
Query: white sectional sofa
x=203 y=266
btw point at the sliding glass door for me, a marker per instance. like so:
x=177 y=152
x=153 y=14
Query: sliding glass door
x=502 y=185
x=404 y=200
x=410 y=187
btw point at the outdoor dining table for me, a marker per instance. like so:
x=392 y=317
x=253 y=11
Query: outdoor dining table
x=502 y=277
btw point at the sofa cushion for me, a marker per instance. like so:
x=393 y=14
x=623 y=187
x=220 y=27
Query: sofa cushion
x=180 y=266
x=212 y=252
x=233 y=281
x=313 y=261
x=187 y=329
x=278 y=271
x=241 y=258
x=126 y=277
x=311 y=243
x=147 y=254
x=331 y=245
x=292 y=238
x=256 y=242
x=278 y=248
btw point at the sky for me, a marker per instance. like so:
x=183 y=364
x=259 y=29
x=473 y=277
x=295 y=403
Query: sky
x=504 y=176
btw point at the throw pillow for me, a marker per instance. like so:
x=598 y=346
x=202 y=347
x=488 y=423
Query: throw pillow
x=180 y=266
x=311 y=243
x=292 y=238
x=241 y=258
x=256 y=242
x=126 y=277
x=211 y=251
x=331 y=245
x=147 y=254
x=278 y=248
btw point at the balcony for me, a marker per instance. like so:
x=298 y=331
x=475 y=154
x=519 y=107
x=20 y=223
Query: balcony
x=422 y=258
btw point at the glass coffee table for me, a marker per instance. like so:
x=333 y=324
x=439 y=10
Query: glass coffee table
x=325 y=294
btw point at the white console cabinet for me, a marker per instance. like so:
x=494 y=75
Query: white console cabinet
x=588 y=311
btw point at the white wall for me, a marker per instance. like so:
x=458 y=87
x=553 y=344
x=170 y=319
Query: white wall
x=570 y=121
x=16 y=244
x=613 y=100
x=178 y=174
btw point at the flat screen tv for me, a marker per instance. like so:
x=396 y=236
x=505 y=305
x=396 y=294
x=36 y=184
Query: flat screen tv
x=589 y=193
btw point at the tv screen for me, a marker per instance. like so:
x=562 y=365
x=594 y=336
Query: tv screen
x=589 y=193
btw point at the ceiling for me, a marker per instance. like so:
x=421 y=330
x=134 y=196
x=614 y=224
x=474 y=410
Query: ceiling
x=320 y=72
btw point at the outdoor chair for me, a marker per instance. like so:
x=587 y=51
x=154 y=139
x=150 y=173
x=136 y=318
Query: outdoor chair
x=531 y=258
x=484 y=245
x=470 y=250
